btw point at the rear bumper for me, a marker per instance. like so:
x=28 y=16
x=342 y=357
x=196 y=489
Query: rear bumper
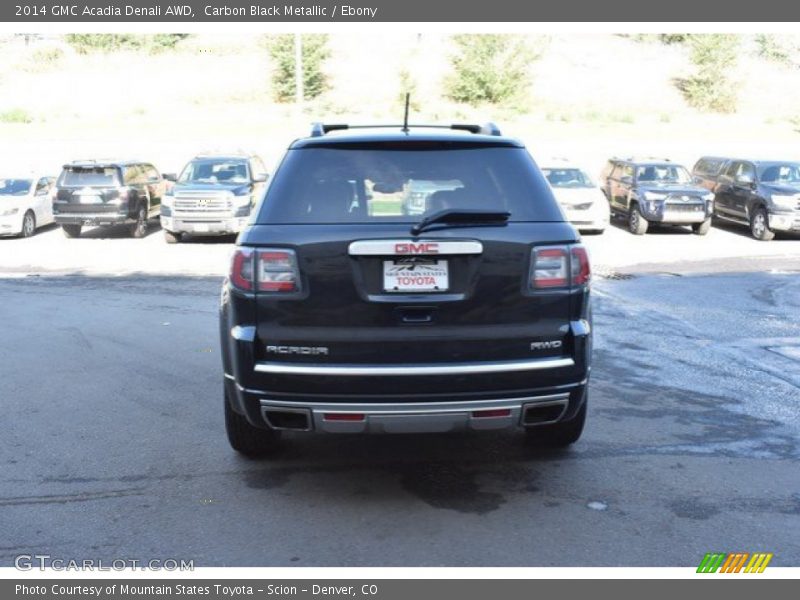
x=93 y=218
x=536 y=408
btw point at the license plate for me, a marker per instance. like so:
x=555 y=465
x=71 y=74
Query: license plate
x=415 y=276
x=90 y=199
x=201 y=227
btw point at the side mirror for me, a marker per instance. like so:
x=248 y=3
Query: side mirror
x=627 y=179
x=260 y=177
x=745 y=180
x=170 y=176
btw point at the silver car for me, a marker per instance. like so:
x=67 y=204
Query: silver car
x=580 y=198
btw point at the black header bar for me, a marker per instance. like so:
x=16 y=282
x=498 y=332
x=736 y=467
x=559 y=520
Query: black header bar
x=464 y=11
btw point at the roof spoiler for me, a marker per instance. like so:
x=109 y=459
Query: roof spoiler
x=321 y=129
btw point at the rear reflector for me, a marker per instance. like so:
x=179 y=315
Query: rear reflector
x=344 y=416
x=499 y=412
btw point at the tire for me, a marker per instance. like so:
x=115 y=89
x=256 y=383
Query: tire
x=559 y=435
x=139 y=229
x=28 y=225
x=637 y=224
x=250 y=441
x=702 y=228
x=759 y=225
x=72 y=231
x=172 y=238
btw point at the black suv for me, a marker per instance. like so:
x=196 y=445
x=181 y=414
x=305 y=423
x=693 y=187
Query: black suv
x=765 y=195
x=656 y=191
x=342 y=313
x=103 y=192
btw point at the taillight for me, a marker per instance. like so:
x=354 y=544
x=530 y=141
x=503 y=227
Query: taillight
x=268 y=270
x=277 y=271
x=241 y=275
x=581 y=271
x=550 y=267
x=559 y=266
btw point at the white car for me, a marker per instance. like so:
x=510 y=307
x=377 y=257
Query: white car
x=25 y=204
x=583 y=203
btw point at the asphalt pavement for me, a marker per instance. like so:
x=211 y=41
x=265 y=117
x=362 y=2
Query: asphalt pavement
x=113 y=442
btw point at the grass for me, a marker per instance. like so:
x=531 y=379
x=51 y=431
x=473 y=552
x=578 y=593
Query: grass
x=16 y=115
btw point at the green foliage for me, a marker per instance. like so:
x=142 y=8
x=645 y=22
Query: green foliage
x=48 y=55
x=714 y=56
x=282 y=52
x=85 y=43
x=16 y=115
x=663 y=38
x=490 y=68
x=408 y=85
x=783 y=49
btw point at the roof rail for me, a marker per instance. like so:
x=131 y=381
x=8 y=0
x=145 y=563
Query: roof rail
x=320 y=129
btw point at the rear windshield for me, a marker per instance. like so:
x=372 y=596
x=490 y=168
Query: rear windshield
x=15 y=187
x=377 y=185
x=79 y=176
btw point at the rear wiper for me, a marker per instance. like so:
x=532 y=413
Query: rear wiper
x=460 y=217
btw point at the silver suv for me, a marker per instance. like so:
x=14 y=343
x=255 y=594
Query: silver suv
x=213 y=196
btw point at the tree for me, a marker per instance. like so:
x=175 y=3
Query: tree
x=282 y=52
x=84 y=43
x=493 y=68
x=714 y=56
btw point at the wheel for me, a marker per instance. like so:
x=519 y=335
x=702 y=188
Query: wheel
x=246 y=439
x=71 y=231
x=171 y=237
x=559 y=435
x=139 y=229
x=759 y=225
x=28 y=224
x=702 y=228
x=637 y=224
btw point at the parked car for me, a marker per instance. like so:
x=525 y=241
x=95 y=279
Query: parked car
x=582 y=201
x=214 y=195
x=646 y=191
x=707 y=170
x=25 y=204
x=107 y=192
x=765 y=195
x=340 y=318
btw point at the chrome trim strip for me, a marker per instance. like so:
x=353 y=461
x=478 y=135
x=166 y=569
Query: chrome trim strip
x=413 y=370
x=241 y=388
x=399 y=408
x=390 y=247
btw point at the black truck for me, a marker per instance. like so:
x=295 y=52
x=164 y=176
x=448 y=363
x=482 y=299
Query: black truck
x=763 y=195
x=343 y=313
